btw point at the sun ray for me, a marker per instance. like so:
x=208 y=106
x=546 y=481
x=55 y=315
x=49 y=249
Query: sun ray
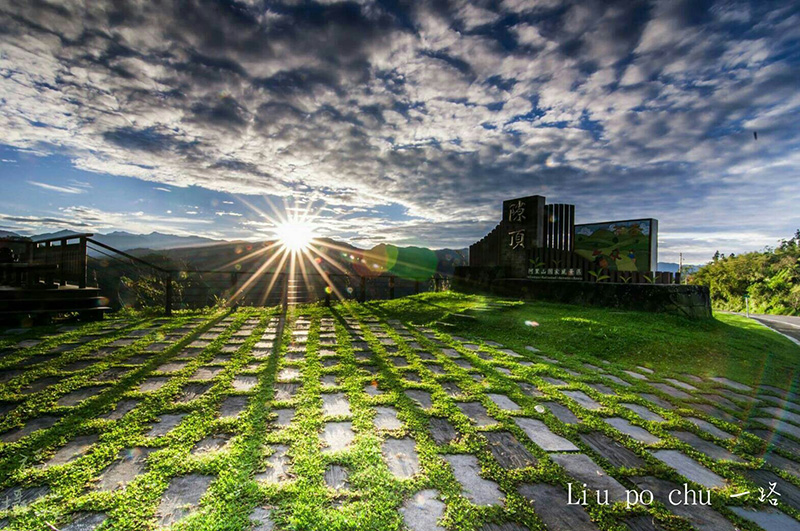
x=325 y=277
x=255 y=276
x=274 y=279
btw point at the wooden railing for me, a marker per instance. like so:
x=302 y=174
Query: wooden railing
x=67 y=254
x=58 y=260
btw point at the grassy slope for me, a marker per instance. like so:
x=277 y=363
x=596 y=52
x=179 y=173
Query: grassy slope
x=728 y=345
x=731 y=346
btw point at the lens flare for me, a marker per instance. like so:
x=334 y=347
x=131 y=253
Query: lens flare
x=295 y=235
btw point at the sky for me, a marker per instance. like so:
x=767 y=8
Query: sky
x=402 y=122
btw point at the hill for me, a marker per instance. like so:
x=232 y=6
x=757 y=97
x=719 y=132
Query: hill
x=125 y=241
x=770 y=278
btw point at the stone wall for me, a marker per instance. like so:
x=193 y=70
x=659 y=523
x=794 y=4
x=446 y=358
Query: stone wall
x=687 y=300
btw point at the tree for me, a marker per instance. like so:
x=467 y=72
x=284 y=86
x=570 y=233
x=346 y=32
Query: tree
x=771 y=278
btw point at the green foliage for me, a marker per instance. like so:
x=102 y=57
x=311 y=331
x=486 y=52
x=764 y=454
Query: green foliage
x=771 y=278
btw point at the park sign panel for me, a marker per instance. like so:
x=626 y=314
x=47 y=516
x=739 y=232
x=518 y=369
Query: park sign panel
x=541 y=241
x=629 y=245
x=521 y=229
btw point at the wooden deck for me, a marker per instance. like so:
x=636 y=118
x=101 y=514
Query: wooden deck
x=41 y=302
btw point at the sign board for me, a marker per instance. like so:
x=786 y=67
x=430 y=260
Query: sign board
x=627 y=245
x=555 y=273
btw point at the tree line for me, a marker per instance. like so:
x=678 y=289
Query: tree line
x=770 y=278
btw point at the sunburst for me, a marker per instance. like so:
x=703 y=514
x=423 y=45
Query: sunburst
x=297 y=250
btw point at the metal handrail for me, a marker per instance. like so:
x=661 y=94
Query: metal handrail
x=64 y=238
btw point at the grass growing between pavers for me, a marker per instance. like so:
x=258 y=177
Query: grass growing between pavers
x=728 y=345
x=360 y=363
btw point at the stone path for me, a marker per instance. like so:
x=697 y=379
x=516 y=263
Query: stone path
x=472 y=434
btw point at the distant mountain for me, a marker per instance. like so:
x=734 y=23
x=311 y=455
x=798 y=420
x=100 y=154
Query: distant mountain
x=221 y=254
x=672 y=267
x=9 y=234
x=125 y=241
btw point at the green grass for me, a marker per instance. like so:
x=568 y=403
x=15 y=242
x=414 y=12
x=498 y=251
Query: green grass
x=728 y=345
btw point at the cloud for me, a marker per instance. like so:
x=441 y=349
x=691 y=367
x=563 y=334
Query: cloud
x=89 y=219
x=624 y=108
x=56 y=188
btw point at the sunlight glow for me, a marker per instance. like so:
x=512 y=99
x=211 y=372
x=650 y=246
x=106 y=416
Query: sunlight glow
x=295 y=235
x=296 y=262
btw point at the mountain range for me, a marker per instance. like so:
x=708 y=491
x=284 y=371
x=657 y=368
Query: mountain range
x=184 y=246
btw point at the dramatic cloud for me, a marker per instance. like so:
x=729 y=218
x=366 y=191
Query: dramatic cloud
x=625 y=108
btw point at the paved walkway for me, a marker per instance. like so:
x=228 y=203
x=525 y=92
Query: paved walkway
x=464 y=432
x=788 y=325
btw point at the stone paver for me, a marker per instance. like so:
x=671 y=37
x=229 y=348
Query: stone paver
x=586 y=471
x=779 y=425
x=611 y=450
x=120 y=409
x=508 y=451
x=401 y=457
x=31 y=426
x=284 y=416
x=286 y=391
x=336 y=477
x=477 y=413
x=193 y=391
x=262 y=519
x=503 y=402
x=153 y=383
x=233 y=406
x=730 y=383
x=645 y=413
x=337 y=436
x=244 y=383
x=682 y=385
x=77 y=396
x=530 y=389
x=165 y=424
x=709 y=428
x=643 y=523
x=423 y=398
x=289 y=373
x=583 y=399
x=560 y=411
x=442 y=431
x=476 y=489
x=277 y=469
x=549 y=503
x=21 y=496
x=768 y=519
x=182 y=497
x=129 y=464
x=790 y=494
x=505 y=526
x=540 y=434
x=422 y=511
x=212 y=443
x=335 y=405
x=706 y=447
x=671 y=391
x=782 y=463
x=640 y=434
x=689 y=468
x=702 y=517
x=85 y=522
x=657 y=400
x=72 y=450
x=206 y=373
x=386 y=418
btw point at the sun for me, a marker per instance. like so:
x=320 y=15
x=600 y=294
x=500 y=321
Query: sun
x=295 y=236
